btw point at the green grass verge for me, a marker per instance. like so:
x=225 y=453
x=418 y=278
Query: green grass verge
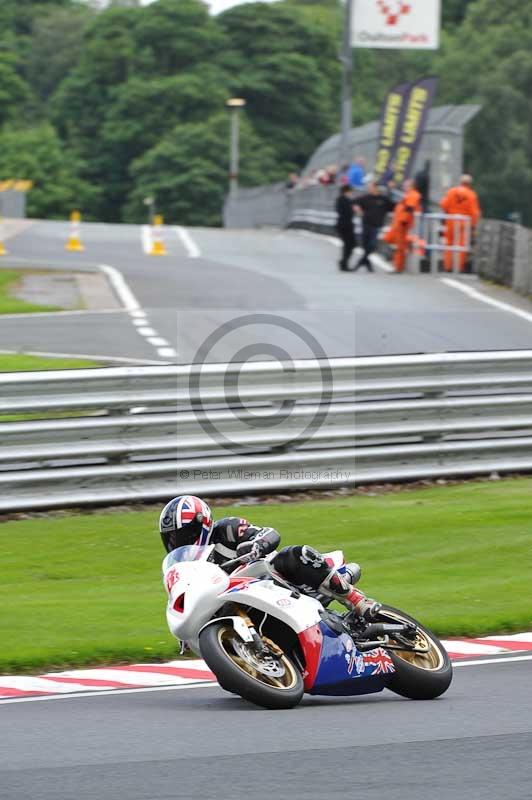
x=86 y=588
x=16 y=362
x=12 y=305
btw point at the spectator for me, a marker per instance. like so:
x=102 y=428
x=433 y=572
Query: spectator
x=356 y=173
x=292 y=181
x=422 y=182
x=462 y=200
x=344 y=225
x=373 y=207
x=403 y=222
x=342 y=175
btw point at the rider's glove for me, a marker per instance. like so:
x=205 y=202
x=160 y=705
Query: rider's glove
x=260 y=546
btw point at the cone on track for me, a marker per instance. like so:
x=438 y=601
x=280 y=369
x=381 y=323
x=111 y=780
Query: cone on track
x=157 y=248
x=74 y=241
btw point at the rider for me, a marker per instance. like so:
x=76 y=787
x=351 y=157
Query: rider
x=187 y=520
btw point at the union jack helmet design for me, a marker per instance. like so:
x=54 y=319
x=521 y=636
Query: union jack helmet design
x=185 y=520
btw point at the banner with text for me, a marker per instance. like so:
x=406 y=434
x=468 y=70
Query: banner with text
x=413 y=123
x=397 y=24
x=392 y=116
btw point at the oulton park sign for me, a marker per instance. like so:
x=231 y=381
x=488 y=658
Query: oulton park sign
x=396 y=24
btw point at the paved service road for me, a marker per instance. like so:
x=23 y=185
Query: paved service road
x=238 y=273
x=473 y=743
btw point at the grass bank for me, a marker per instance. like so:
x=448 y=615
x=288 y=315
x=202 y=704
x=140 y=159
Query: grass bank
x=12 y=305
x=20 y=362
x=85 y=589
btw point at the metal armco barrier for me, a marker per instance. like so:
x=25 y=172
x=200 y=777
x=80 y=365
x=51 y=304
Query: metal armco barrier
x=146 y=433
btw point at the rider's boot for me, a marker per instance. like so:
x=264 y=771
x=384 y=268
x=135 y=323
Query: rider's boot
x=336 y=586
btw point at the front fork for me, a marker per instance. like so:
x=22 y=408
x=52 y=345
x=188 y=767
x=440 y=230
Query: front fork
x=259 y=645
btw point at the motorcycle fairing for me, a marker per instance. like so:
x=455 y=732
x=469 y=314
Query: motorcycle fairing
x=334 y=666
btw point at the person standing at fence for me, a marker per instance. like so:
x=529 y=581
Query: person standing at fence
x=344 y=225
x=403 y=222
x=373 y=208
x=463 y=200
x=356 y=174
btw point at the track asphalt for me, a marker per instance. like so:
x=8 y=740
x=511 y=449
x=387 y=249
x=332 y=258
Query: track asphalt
x=188 y=294
x=473 y=743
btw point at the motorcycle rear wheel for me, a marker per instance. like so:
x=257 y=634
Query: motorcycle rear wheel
x=240 y=671
x=418 y=676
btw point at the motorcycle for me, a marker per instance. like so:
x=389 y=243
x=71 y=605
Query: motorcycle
x=269 y=643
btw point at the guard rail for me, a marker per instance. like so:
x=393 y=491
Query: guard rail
x=95 y=436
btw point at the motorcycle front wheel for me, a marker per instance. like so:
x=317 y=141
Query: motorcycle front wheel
x=418 y=675
x=270 y=682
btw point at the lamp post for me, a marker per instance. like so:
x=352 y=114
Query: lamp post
x=346 y=59
x=234 y=104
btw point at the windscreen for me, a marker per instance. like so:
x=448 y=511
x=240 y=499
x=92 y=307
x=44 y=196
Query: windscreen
x=191 y=552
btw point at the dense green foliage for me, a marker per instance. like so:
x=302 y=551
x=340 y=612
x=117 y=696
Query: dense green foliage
x=457 y=558
x=131 y=100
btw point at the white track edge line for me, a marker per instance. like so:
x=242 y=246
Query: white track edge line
x=122 y=290
x=106 y=692
x=480 y=661
x=484 y=298
x=190 y=245
x=212 y=684
x=378 y=260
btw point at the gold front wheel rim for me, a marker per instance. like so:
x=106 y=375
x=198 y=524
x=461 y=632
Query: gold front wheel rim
x=226 y=636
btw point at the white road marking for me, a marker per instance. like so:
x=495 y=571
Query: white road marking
x=106 y=692
x=381 y=263
x=480 y=662
x=484 y=298
x=167 y=352
x=145 y=235
x=124 y=293
x=190 y=245
x=158 y=341
x=376 y=259
x=213 y=684
x=146 y=331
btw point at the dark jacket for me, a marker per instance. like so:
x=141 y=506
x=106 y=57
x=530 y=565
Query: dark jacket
x=344 y=209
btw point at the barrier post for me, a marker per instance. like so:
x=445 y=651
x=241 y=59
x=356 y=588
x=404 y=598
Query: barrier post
x=157 y=248
x=74 y=241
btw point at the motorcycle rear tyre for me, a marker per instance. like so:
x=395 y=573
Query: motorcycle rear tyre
x=233 y=679
x=415 y=682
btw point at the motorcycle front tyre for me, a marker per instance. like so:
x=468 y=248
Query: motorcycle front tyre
x=234 y=675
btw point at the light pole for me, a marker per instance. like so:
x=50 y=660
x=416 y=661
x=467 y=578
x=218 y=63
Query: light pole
x=234 y=104
x=346 y=58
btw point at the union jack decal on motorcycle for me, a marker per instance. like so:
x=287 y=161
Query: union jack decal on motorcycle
x=380 y=659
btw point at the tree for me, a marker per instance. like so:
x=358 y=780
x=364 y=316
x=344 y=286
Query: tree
x=36 y=154
x=15 y=93
x=55 y=45
x=187 y=171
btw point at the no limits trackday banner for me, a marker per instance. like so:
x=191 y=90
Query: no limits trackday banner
x=396 y=24
x=403 y=120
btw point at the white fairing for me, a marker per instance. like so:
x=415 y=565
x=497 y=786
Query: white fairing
x=198 y=589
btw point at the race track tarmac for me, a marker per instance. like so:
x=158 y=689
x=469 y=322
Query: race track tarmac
x=474 y=743
x=234 y=274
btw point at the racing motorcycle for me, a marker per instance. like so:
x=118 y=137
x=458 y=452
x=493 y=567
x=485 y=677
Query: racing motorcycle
x=269 y=643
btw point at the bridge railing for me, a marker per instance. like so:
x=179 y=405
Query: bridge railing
x=146 y=433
